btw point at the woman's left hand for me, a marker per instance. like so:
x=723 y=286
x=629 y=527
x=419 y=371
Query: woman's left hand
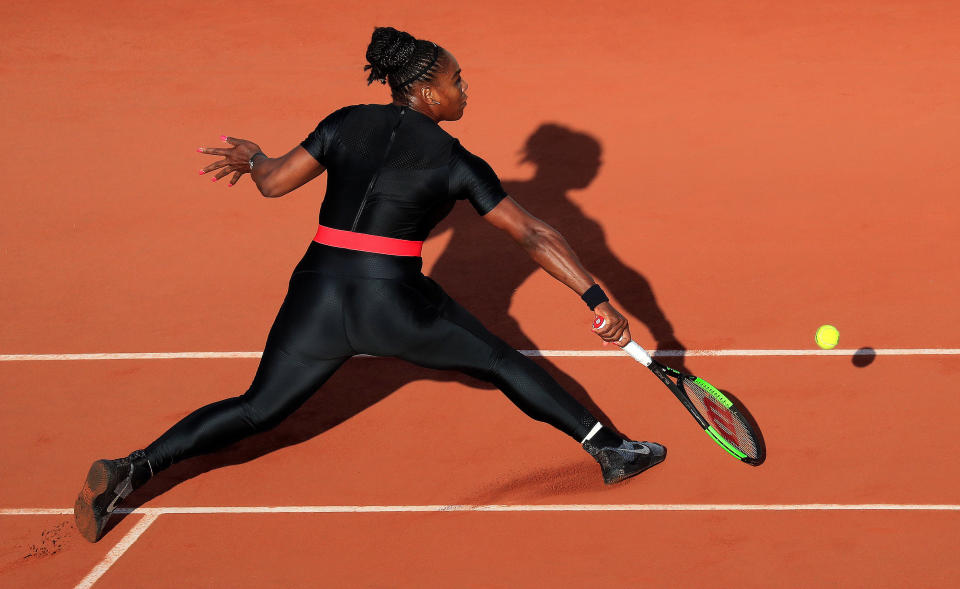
x=236 y=159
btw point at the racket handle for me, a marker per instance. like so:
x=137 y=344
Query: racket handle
x=638 y=353
x=632 y=348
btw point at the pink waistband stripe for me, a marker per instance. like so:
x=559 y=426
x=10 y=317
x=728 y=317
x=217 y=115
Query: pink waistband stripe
x=364 y=242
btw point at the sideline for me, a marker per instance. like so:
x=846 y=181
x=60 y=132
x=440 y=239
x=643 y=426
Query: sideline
x=532 y=353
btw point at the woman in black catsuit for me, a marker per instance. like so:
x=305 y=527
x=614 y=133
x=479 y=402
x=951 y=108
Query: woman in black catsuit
x=393 y=175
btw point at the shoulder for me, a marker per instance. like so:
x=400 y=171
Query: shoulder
x=341 y=113
x=473 y=179
x=462 y=158
x=363 y=109
x=330 y=124
x=459 y=153
x=349 y=120
x=354 y=110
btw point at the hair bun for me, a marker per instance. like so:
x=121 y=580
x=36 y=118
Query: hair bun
x=389 y=50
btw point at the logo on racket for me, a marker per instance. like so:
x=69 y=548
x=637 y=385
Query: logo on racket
x=598 y=322
x=723 y=419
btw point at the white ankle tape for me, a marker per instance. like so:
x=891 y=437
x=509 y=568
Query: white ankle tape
x=593 y=432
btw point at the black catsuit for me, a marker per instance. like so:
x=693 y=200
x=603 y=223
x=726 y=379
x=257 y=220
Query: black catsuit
x=393 y=172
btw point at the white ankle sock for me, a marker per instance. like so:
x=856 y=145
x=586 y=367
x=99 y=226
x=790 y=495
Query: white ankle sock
x=593 y=432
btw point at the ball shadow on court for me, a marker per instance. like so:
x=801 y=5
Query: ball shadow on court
x=864 y=357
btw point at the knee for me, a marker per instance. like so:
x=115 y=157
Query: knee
x=503 y=364
x=506 y=358
x=257 y=417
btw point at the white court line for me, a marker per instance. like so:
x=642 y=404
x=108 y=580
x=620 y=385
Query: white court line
x=128 y=356
x=36 y=511
x=117 y=551
x=689 y=353
x=572 y=507
x=533 y=353
x=150 y=515
x=158 y=511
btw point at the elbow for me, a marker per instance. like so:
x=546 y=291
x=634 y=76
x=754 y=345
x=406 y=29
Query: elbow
x=269 y=194
x=528 y=239
x=268 y=189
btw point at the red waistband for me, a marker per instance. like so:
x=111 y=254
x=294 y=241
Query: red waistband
x=367 y=243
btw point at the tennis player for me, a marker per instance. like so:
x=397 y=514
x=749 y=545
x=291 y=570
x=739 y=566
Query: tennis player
x=394 y=173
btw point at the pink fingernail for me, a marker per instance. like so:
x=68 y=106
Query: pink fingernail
x=229 y=185
x=214 y=179
x=200 y=149
x=202 y=172
x=223 y=138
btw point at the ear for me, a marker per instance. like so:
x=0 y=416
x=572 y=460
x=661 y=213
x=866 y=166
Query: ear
x=428 y=95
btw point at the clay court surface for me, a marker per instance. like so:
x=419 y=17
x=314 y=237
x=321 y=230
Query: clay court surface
x=735 y=175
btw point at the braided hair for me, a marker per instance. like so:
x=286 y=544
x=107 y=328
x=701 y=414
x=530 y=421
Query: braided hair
x=400 y=59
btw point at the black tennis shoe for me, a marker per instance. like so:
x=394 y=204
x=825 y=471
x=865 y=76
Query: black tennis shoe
x=626 y=460
x=108 y=483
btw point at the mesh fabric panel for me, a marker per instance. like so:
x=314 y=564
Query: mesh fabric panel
x=410 y=152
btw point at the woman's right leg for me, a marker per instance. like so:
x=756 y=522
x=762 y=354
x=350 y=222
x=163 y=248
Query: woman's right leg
x=469 y=347
x=418 y=322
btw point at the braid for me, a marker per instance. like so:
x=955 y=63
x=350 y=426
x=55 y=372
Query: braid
x=424 y=65
x=398 y=58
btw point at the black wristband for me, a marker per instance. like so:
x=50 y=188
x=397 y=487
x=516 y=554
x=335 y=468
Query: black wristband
x=253 y=156
x=594 y=296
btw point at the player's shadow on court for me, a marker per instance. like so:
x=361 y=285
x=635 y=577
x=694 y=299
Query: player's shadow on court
x=482 y=268
x=564 y=160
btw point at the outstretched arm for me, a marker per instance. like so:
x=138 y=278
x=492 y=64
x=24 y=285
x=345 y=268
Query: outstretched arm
x=547 y=247
x=273 y=176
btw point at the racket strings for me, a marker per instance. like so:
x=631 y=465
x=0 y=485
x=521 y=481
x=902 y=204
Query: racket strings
x=728 y=422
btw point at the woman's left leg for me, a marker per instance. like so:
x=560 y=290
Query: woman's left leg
x=282 y=384
x=305 y=347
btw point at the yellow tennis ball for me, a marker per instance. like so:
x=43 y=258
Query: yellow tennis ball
x=827 y=337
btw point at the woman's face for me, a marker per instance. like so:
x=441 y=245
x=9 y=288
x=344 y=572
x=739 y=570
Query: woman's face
x=450 y=90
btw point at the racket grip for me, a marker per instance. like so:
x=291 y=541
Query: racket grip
x=638 y=353
x=632 y=348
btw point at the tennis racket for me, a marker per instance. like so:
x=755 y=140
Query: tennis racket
x=722 y=418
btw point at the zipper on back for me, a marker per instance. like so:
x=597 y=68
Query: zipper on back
x=373 y=179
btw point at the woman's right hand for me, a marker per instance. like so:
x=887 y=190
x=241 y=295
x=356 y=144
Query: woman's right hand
x=615 y=327
x=236 y=159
